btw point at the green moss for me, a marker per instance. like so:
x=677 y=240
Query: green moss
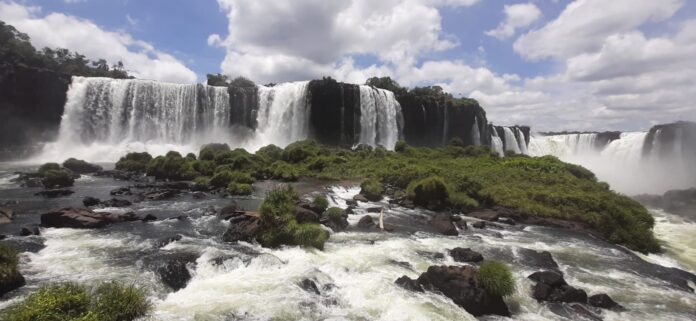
x=429 y=190
x=80 y=166
x=334 y=214
x=173 y=167
x=48 y=167
x=372 y=189
x=496 y=278
x=223 y=178
x=320 y=203
x=73 y=302
x=134 y=162
x=202 y=180
x=284 y=171
x=57 y=178
x=299 y=151
x=209 y=151
x=240 y=189
x=270 y=153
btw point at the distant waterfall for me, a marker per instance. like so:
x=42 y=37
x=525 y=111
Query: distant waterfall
x=511 y=143
x=564 y=145
x=497 y=143
x=380 y=115
x=476 y=133
x=283 y=115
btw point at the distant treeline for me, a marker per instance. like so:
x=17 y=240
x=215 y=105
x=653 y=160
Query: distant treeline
x=16 y=49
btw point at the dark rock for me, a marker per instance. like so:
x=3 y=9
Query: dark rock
x=116 y=202
x=541 y=291
x=81 y=167
x=242 y=228
x=159 y=194
x=486 y=215
x=149 y=218
x=198 y=195
x=506 y=220
x=352 y=203
x=460 y=284
x=350 y=210
x=121 y=191
x=552 y=287
x=10 y=281
x=336 y=223
x=442 y=222
x=680 y=202
x=376 y=209
x=360 y=198
x=366 y=222
x=303 y=215
x=177 y=185
x=165 y=241
x=174 y=272
x=6 y=215
x=54 y=193
x=82 y=218
x=550 y=278
x=402 y=264
x=29 y=230
x=309 y=286
x=479 y=225
x=230 y=210
x=32 y=182
x=461 y=224
x=408 y=284
x=90 y=201
x=541 y=260
x=465 y=255
x=568 y=294
x=431 y=255
x=605 y=302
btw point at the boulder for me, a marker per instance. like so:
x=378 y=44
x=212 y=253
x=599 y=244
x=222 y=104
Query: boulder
x=309 y=286
x=486 y=215
x=375 y=209
x=149 y=218
x=335 y=218
x=465 y=255
x=605 y=302
x=54 y=193
x=366 y=222
x=6 y=215
x=303 y=215
x=442 y=222
x=158 y=194
x=116 y=202
x=242 y=228
x=550 y=278
x=198 y=195
x=82 y=218
x=352 y=203
x=80 y=166
x=121 y=191
x=28 y=230
x=174 y=271
x=11 y=281
x=541 y=260
x=479 y=225
x=230 y=211
x=165 y=241
x=32 y=182
x=408 y=284
x=460 y=284
x=551 y=287
x=360 y=198
x=90 y=201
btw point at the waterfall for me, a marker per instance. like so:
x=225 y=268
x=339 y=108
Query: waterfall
x=475 y=133
x=497 y=143
x=563 y=145
x=283 y=115
x=380 y=116
x=510 y=141
x=521 y=141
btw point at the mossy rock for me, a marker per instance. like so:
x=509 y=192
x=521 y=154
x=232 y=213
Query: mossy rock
x=48 y=167
x=427 y=191
x=57 y=178
x=80 y=167
x=134 y=162
x=496 y=278
x=372 y=189
x=10 y=278
x=235 y=188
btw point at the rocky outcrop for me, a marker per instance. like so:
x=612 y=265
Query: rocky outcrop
x=442 y=222
x=680 y=202
x=460 y=284
x=465 y=255
x=671 y=140
x=335 y=112
x=243 y=227
x=31 y=106
x=174 y=270
x=83 y=218
x=551 y=287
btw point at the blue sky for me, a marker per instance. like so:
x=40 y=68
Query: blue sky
x=554 y=64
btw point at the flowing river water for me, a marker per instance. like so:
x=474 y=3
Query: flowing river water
x=355 y=273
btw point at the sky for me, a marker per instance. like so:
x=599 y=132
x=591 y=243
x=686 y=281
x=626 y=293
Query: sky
x=551 y=64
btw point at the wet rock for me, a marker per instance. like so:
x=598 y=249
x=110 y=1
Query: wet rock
x=121 y=191
x=2 y=237
x=459 y=283
x=165 y=241
x=158 y=195
x=431 y=255
x=80 y=166
x=486 y=215
x=375 y=209
x=116 y=202
x=309 y=286
x=402 y=264
x=552 y=287
x=303 y=215
x=360 y=198
x=28 y=230
x=574 y=311
x=83 y=218
x=408 y=284
x=465 y=255
x=54 y=193
x=506 y=220
x=352 y=203
x=90 y=201
x=177 y=185
x=550 y=278
x=10 y=280
x=230 y=211
x=6 y=215
x=605 y=302
x=198 y=195
x=479 y=225
x=32 y=182
x=366 y=222
x=149 y=218
x=541 y=260
x=174 y=272
x=442 y=222
x=350 y=209
x=568 y=294
x=336 y=223
x=242 y=228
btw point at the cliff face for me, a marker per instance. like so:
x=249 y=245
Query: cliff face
x=675 y=139
x=335 y=112
x=31 y=106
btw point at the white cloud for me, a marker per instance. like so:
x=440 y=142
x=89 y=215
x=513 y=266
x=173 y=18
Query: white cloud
x=65 y=31
x=585 y=24
x=516 y=16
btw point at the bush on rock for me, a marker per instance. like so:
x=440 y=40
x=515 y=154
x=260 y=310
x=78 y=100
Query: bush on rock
x=372 y=189
x=134 y=162
x=496 y=278
x=80 y=167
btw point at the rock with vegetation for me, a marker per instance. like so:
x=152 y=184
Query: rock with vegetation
x=335 y=219
x=109 y=301
x=10 y=278
x=54 y=176
x=134 y=162
x=372 y=189
x=80 y=167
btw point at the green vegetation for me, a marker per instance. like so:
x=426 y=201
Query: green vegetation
x=80 y=166
x=16 y=48
x=57 y=178
x=73 y=302
x=48 y=167
x=453 y=177
x=320 y=203
x=10 y=277
x=334 y=214
x=372 y=189
x=172 y=166
x=279 y=226
x=496 y=278
x=134 y=162
x=240 y=189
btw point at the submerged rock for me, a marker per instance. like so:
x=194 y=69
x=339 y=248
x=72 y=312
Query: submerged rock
x=460 y=284
x=165 y=241
x=551 y=287
x=174 y=271
x=121 y=191
x=465 y=255
x=309 y=286
x=83 y=218
x=29 y=230
x=90 y=201
x=116 y=202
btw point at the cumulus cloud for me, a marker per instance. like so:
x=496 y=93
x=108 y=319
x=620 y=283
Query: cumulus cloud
x=65 y=31
x=516 y=16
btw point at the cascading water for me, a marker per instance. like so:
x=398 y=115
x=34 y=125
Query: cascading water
x=475 y=133
x=521 y=141
x=497 y=143
x=283 y=115
x=380 y=115
x=511 y=143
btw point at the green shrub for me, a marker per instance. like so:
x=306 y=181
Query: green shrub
x=461 y=201
x=334 y=214
x=9 y=267
x=134 y=162
x=73 y=302
x=209 y=151
x=202 y=181
x=270 y=153
x=191 y=156
x=456 y=141
x=496 y=278
x=284 y=171
x=80 y=166
x=172 y=166
x=223 y=178
x=240 y=189
x=432 y=189
x=320 y=203
x=400 y=146
x=299 y=151
x=57 y=178
x=372 y=189
x=48 y=167
x=309 y=235
x=204 y=167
